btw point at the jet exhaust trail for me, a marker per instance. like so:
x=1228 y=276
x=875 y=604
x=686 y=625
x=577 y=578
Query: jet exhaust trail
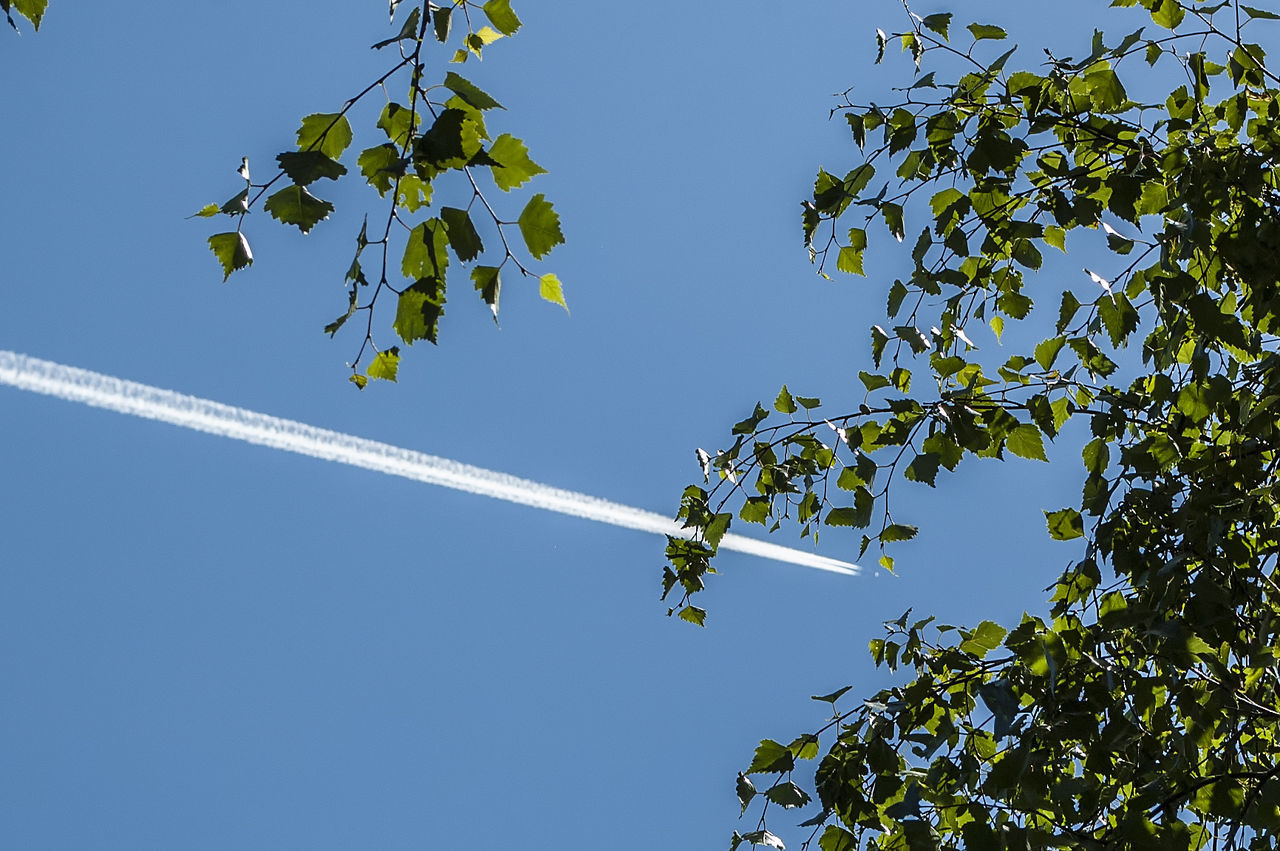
x=141 y=400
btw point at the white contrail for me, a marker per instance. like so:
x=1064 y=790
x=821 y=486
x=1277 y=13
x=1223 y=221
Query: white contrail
x=141 y=400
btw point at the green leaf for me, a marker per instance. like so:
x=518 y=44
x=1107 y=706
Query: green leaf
x=489 y=286
x=898 y=532
x=294 y=205
x=425 y=254
x=419 y=310
x=746 y=790
x=328 y=133
x=1097 y=455
x=385 y=365
x=414 y=193
x=748 y=425
x=516 y=168
x=381 y=165
x=206 y=211
x=1167 y=13
x=540 y=226
x=784 y=404
x=237 y=205
x=857 y=179
x=804 y=747
x=986 y=637
x=464 y=239
x=939 y=23
x=693 y=615
x=832 y=697
x=755 y=509
x=836 y=838
x=1025 y=441
x=232 y=251
x=469 y=92
x=500 y=15
x=771 y=758
x=550 y=289
x=923 y=468
x=398 y=122
x=449 y=143
x=787 y=795
x=858 y=515
x=1047 y=351
x=1064 y=525
x=306 y=167
x=441 y=22
x=1105 y=91
x=981 y=31
x=407 y=31
x=850 y=260
x=765 y=838
x=336 y=325
x=32 y=10
x=1260 y=13
x=482 y=37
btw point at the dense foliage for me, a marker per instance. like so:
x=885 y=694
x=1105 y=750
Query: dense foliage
x=438 y=131
x=1144 y=710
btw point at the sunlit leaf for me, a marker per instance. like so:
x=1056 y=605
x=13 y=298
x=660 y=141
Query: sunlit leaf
x=500 y=15
x=232 y=251
x=540 y=226
x=551 y=290
x=294 y=205
x=328 y=133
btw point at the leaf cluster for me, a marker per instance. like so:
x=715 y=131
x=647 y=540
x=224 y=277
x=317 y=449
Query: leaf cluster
x=438 y=130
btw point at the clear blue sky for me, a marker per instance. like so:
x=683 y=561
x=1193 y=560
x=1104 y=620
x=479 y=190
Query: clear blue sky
x=205 y=644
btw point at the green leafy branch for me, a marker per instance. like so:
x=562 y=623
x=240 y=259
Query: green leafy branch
x=1142 y=713
x=441 y=130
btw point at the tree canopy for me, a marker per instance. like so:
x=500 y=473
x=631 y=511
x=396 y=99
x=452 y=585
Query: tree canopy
x=1143 y=710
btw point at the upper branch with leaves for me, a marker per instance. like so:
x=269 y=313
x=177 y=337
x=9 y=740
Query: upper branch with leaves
x=439 y=129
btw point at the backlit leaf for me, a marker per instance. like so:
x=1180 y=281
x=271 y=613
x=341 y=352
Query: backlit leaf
x=550 y=289
x=469 y=92
x=328 y=133
x=540 y=226
x=981 y=31
x=1064 y=525
x=500 y=15
x=516 y=168
x=1025 y=441
x=385 y=365
x=294 y=205
x=232 y=251
x=462 y=234
x=425 y=251
x=306 y=167
x=489 y=285
x=419 y=310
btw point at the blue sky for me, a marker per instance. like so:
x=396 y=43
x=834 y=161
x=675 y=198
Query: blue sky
x=210 y=645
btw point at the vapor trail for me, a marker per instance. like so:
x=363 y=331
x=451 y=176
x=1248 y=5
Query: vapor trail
x=141 y=400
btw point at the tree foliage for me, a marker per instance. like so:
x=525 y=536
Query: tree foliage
x=438 y=130
x=1143 y=710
